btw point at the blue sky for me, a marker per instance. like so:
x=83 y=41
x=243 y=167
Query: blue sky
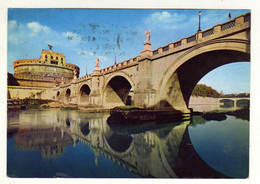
x=85 y=34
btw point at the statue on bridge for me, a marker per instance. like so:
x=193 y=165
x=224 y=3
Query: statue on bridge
x=97 y=65
x=147 y=34
x=97 y=61
x=50 y=46
x=147 y=45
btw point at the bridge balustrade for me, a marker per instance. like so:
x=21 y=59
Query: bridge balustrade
x=166 y=48
x=228 y=25
x=155 y=52
x=247 y=18
x=177 y=44
x=191 y=38
x=207 y=32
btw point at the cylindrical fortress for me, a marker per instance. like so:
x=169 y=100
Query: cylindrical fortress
x=48 y=71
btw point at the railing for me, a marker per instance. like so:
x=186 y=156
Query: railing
x=82 y=78
x=207 y=32
x=177 y=44
x=247 y=18
x=155 y=52
x=165 y=48
x=119 y=66
x=228 y=25
x=191 y=39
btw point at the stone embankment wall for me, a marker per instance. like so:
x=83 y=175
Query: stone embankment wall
x=22 y=92
x=198 y=100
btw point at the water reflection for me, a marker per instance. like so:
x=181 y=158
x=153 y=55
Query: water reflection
x=50 y=142
x=226 y=106
x=147 y=151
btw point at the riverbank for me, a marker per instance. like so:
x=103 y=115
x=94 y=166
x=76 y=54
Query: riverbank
x=49 y=104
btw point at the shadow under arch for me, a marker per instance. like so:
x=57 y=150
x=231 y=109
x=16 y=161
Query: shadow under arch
x=58 y=94
x=243 y=103
x=190 y=67
x=67 y=95
x=84 y=92
x=116 y=90
x=227 y=102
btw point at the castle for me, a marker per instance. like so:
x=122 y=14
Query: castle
x=32 y=76
x=51 y=69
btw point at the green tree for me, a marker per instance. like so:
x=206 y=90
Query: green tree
x=204 y=91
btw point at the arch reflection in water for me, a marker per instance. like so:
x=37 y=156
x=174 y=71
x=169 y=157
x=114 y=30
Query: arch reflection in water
x=157 y=151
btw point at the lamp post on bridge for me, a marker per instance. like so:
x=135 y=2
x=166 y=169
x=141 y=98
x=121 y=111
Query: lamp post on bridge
x=199 y=21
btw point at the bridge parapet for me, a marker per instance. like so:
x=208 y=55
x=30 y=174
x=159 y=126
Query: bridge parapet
x=119 y=66
x=86 y=77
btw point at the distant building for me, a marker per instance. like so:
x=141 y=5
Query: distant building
x=47 y=71
x=221 y=93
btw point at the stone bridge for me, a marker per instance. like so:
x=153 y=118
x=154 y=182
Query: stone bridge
x=163 y=78
x=235 y=100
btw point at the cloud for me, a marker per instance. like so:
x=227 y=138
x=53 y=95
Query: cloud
x=22 y=33
x=103 y=58
x=15 y=30
x=71 y=36
x=167 y=17
x=165 y=20
x=12 y=24
x=36 y=28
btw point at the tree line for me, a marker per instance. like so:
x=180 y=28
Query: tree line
x=205 y=91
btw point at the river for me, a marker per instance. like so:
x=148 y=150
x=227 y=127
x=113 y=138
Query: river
x=68 y=143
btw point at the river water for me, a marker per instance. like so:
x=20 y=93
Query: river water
x=68 y=143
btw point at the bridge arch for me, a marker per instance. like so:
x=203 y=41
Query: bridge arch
x=181 y=77
x=116 y=90
x=68 y=95
x=228 y=102
x=58 y=95
x=83 y=93
x=243 y=103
